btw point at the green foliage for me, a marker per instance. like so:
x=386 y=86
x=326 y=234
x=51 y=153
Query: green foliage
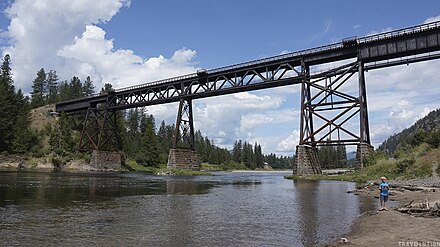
x=425 y=130
x=39 y=89
x=332 y=157
x=402 y=165
x=132 y=165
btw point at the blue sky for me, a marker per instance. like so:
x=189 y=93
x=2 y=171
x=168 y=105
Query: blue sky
x=129 y=42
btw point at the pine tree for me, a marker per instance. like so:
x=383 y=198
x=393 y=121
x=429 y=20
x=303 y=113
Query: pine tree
x=39 y=89
x=149 y=153
x=8 y=109
x=237 y=152
x=52 y=87
x=88 y=87
x=24 y=138
x=76 y=88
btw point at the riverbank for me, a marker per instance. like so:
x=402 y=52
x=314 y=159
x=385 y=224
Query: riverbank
x=394 y=228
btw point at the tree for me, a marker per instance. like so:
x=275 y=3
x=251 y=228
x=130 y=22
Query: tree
x=88 y=87
x=237 y=152
x=107 y=88
x=39 y=89
x=76 y=88
x=52 y=87
x=149 y=153
x=24 y=137
x=8 y=108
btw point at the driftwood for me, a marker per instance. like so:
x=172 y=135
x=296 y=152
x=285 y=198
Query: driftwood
x=421 y=209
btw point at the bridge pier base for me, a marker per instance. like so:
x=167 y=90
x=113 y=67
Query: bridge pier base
x=306 y=161
x=363 y=151
x=106 y=160
x=183 y=159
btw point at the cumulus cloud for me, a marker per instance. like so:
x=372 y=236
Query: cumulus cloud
x=62 y=35
x=289 y=144
x=432 y=19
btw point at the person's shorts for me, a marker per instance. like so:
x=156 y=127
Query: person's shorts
x=383 y=198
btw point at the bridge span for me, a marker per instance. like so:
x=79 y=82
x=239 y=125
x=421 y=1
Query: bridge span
x=327 y=107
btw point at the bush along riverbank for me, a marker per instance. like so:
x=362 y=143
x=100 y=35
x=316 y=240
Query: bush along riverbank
x=410 y=165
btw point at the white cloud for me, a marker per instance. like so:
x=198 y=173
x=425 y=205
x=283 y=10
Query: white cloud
x=289 y=144
x=62 y=35
x=432 y=19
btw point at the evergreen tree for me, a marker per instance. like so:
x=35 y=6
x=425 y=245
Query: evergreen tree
x=76 y=88
x=8 y=109
x=24 y=137
x=88 y=87
x=52 y=87
x=39 y=89
x=237 y=152
x=149 y=153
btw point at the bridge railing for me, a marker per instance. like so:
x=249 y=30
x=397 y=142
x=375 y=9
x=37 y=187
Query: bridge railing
x=399 y=32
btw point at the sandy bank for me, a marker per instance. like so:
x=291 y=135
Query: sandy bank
x=393 y=228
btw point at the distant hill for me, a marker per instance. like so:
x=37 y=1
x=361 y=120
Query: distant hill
x=429 y=123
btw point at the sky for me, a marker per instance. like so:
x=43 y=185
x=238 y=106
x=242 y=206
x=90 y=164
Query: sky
x=127 y=42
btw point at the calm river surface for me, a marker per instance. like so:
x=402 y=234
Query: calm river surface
x=134 y=209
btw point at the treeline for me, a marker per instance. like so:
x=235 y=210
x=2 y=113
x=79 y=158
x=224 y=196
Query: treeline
x=15 y=133
x=332 y=157
x=48 y=89
x=253 y=158
x=136 y=130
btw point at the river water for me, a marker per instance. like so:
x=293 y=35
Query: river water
x=135 y=209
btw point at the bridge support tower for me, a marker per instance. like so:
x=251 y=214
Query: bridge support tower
x=329 y=111
x=99 y=134
x=183 y=155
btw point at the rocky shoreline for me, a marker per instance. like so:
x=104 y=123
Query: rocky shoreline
x=398 y=227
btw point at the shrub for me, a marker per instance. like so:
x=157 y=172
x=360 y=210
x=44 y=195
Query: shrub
x=402 y=165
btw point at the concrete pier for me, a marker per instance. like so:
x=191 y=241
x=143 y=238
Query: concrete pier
x=182 y=159
x=106 y=160
x=306 y=161
x=362 y=153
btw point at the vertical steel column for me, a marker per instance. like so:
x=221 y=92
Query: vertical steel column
x=184 y=125
x=364 y=126
x=306 y=124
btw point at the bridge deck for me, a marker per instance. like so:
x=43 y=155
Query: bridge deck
x=271 y=72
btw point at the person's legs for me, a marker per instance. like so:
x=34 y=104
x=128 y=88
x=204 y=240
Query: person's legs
x=385 y=199
x=381 y=202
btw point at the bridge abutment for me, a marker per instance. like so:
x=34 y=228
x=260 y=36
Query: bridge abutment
x=106 y=160
x=179 y=158
x=306 y=161
x=363 y=151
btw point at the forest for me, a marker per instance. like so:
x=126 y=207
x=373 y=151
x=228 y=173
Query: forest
x=139 y=140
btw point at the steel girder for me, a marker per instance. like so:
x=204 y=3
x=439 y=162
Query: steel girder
x=99 y=130
x=184 y=130
x=331 y=107
x=209 y=85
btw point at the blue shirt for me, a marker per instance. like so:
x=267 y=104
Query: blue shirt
x=384 y=187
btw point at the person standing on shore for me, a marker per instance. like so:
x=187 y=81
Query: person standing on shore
x=383 y=188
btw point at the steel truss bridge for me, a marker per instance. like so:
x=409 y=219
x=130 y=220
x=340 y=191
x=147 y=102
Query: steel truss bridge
x=329 y=105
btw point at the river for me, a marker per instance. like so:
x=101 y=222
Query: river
x=135 y=209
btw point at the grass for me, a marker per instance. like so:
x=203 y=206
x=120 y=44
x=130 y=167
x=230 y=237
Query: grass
x=222 y=167
x=132 y=165
x=411 y=162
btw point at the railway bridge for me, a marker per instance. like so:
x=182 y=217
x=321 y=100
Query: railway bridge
x=333 y=101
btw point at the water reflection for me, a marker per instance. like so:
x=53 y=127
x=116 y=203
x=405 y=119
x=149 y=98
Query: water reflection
x=230 y=209
x=306 y=191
